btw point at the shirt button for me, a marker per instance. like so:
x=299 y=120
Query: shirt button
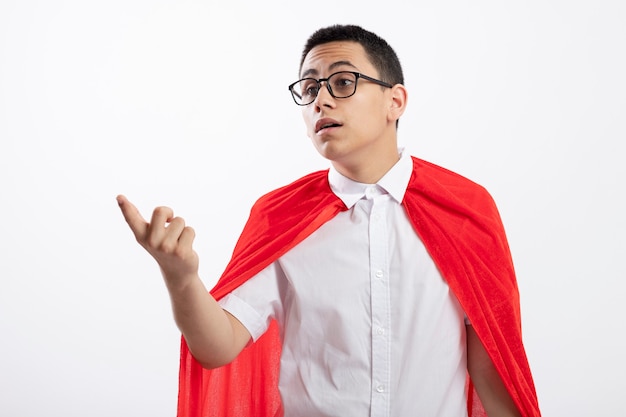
x=379 y=274
x=380 y=331
x=380 y=388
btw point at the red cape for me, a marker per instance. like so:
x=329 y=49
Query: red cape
x=461 y=228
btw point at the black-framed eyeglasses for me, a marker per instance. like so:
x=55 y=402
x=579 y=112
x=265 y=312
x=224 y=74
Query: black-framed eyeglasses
x=341 y=84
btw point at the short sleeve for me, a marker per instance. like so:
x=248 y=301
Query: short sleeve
x=257 y=301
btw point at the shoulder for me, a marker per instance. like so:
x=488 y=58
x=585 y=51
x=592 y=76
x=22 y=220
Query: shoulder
x=441 y=183
x=428 y=172
x=434 y=171
x=307 y=184
x=307 y=190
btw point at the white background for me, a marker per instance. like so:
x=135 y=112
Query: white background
x=184 y=103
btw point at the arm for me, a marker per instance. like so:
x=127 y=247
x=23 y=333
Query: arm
x=486 y=380
x=213 y=336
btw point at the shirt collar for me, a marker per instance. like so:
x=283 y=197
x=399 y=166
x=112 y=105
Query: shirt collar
x=394 y=182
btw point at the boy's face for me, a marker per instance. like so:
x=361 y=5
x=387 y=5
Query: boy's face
x=350 y=131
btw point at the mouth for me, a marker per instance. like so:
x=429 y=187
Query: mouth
x=325 y=124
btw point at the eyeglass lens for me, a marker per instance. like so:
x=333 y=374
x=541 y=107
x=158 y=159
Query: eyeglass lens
x=341 y=85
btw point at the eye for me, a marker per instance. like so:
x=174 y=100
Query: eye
x=309 y=88
x=343 y=83
x=312 y=90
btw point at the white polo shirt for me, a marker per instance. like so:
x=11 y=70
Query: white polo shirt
x=369 y=326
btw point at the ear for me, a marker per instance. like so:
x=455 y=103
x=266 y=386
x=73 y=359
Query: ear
x=398 y=103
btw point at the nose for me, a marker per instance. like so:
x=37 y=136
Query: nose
x=324 y=98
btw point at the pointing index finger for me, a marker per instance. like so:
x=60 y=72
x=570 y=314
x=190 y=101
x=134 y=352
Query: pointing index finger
x=135 y=221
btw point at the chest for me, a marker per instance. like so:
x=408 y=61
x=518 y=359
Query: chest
x=371 y=259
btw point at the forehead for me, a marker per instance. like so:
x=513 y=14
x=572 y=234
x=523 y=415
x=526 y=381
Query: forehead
x=330 y=56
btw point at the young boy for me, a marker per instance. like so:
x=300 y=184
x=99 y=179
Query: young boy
x=372 y=288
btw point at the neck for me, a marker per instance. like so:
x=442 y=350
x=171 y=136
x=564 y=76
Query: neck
x=368 y=170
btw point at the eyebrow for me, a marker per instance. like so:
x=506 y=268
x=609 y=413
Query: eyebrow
x=331 y=67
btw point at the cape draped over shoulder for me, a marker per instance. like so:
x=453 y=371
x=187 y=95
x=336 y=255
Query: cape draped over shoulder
x=461 y=228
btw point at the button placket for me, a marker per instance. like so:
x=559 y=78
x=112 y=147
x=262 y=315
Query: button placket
x=380 y=303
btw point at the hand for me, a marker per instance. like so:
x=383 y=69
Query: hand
x=167 y=239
